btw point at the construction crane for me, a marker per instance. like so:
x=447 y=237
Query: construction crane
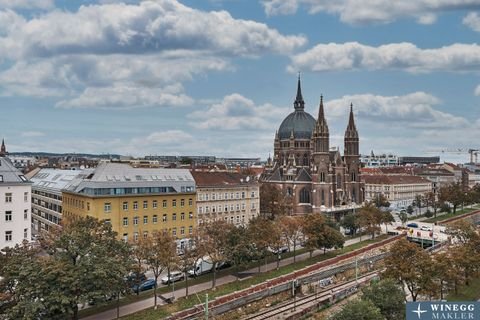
x=472 y=152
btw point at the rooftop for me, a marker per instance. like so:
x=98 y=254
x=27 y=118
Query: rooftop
x=9 y=174
x=57 y=179
x=221 y=179
x=393 y=179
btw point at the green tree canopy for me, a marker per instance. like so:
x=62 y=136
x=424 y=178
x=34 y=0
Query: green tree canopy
x=358 y=310
x=387 y=296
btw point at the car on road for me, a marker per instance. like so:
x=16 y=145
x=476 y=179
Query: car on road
x=174 y=277
x=412 y=225
x=145 y=285
x=426 y=228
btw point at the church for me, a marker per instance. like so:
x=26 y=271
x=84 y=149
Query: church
x=315 y=176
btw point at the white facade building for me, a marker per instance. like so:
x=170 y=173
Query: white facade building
x=15 y=205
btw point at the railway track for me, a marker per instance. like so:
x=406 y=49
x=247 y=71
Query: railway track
x=302 y=305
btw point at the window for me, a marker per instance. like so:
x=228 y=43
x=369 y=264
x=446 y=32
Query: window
x=182 y=231
x=107 y=221
x=8 y=215
x=154 y=204
x=200 y=209
x=135 y=236
x=125 y=206
x=207 y=209
x=25 y=233
x=190 y=230
x=190 y=215
x=25 y=196
x=243 y=206
x=174 y=203
x=25 y=214
x=155 y=219
x=214 y=196
x=174 y=217
x=225 y=196
x=145 y=234
x=145 y=204
x=8 y=197
x=145 y=219
x=253 y=205
x=243 y=194
x=305 y=196
x=238 y=207
x=237 y=195
x=231 y=195
x=164 y=218
x=190 y=202
x=182 y=216
x=182 y=202
x=88 y=206
x=135 y=205
x=125 y=221
x=135 y=221
x=8 y=236
x=107 y=207
x=164 y=203
x=174 y=232
x=253 y=194
x=231 y=207
x=125 y=237
x=238 y=219
x=206 y=196
x=322 y=176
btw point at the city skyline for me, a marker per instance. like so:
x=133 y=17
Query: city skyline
x=217 y=77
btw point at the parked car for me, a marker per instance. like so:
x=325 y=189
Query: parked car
x=426 y=228
x=135 y=278
x=145 y=285
x=279 y=251
x=412 y=225
x=174 y=277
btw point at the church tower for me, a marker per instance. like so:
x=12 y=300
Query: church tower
x=3 y=149
x=352 y=161
x=321 y=160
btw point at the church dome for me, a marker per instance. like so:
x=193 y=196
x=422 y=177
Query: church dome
x=300 y=122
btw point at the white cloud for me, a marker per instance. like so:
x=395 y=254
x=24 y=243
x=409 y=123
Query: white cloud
x=235 y=112
x=400 y=56
x=372 y=11
x=472 y=20
x=415 y=110
x=32 y=134
x=26 y=4
x=128 y=97
x=477 y=90
x=149 y=27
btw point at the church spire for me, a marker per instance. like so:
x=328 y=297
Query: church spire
x=299 y=104
x=3 y=149
x=351 y=120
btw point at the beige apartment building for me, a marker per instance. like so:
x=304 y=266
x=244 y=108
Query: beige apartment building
x=400 y=190
x=232 y=197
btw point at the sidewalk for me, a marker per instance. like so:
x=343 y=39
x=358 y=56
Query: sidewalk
x=148 y=303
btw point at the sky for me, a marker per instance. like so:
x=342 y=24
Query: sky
x=217 y=77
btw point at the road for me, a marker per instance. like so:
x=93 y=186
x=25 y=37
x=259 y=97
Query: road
x=147 y=303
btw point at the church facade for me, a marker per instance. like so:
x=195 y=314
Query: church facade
x=304 y=167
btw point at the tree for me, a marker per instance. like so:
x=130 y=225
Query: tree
x=321 y=233
x=277 y=241
x=381 y=201
x=292 y=230
x=358 y=310
x=191 y=253
x=386 y=218
x=409 y=209
x=258 y=232
x=81 y=261
x=239 y=249
x=388 y=297
x=370 y=218
x=403 y=218
x=350 y=221
x=418 y=201
x=158 y=249
x=445 y=271
x=411 y=266
x=273 y=202
x=431 y=200
x=213 y=243
x=453 y=193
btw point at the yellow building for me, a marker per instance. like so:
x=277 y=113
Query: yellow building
x=135 y=201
